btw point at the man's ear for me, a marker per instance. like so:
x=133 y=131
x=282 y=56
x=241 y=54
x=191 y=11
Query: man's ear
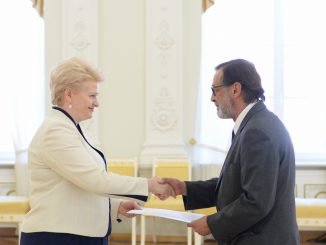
x=237 y=88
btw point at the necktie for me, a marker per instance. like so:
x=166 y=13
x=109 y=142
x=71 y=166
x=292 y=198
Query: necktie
x=233 y=135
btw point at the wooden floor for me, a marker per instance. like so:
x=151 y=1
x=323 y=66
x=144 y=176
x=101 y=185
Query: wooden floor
x=8 y=237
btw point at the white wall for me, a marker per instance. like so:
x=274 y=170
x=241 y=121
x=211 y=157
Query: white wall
x=121 y=54
x=122 y=95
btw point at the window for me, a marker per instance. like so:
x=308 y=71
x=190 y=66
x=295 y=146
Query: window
x=22 y=96
x=286 y=42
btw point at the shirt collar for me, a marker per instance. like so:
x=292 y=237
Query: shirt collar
x=241 y=116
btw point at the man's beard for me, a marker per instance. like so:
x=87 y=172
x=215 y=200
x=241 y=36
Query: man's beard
x=225 y=111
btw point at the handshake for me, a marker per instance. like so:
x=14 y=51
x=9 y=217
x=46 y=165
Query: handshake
x=163 y=188
x=166 y=187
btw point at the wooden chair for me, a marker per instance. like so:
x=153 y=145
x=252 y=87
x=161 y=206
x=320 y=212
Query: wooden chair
x=13 y=210
x=129 y=167
x=179 y=168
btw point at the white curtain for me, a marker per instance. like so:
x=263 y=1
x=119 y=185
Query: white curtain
x=21 y=170
x=27 y=83
x=213 y=135
x=223 y=40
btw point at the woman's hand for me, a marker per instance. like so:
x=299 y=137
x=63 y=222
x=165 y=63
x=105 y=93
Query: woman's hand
x=126 y=206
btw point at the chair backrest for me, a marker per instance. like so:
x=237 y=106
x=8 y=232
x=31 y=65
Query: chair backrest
x=179 y=168
x=123 y=166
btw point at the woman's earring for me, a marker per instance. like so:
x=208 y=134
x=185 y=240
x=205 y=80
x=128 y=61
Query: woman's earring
x=69 y=106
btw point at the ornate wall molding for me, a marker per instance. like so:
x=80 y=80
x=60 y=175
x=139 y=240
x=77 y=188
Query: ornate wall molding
x=164 y=63
x=311 y=183
x=80 y=29
x=164 y=117
x=80 y=38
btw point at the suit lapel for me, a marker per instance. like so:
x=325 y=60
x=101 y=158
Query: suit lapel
x=258 y=107
x=225 y=164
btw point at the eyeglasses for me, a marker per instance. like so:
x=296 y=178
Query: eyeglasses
x=215 y=87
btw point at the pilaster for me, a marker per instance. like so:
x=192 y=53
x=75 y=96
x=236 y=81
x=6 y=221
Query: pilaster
x=80 y=39
x=164 y=110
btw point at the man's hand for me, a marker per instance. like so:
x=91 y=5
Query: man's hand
x=200 y=226
x=179 y=187
x=126 y=206
x=160 y=189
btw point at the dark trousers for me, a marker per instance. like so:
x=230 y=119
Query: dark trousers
x=50 y=238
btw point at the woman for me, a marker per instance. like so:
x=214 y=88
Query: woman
x=70 y=187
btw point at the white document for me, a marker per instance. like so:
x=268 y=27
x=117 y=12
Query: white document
x=169 y=214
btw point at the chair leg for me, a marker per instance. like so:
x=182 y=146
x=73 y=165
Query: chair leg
x=142 y=230
x=154 y=230
x=133 y=231
x=19 y=232
x=198 y=239
x=189 y=235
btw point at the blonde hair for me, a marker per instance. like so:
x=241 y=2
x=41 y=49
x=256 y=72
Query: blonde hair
x=71 y=73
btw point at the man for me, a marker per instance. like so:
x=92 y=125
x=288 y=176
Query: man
x=254 y=194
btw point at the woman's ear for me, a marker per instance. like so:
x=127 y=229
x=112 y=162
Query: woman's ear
x=67 y=95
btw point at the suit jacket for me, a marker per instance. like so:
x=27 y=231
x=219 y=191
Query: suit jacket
x=70 y=187
x=254 y=194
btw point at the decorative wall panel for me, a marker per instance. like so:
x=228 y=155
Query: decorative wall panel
x=164 y=110
x=80 y=39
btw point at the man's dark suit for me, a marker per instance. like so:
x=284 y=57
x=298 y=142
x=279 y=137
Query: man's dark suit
x=254 y=194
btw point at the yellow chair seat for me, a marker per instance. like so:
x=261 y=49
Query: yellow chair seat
x=311 y=213
x=13 y=205
x=311 y=208
x=13 y=208
x=206 y=211
x=170 y=203
x=124 y=168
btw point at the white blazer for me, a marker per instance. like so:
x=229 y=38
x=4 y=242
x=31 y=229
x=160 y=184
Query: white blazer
x=69 y=185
